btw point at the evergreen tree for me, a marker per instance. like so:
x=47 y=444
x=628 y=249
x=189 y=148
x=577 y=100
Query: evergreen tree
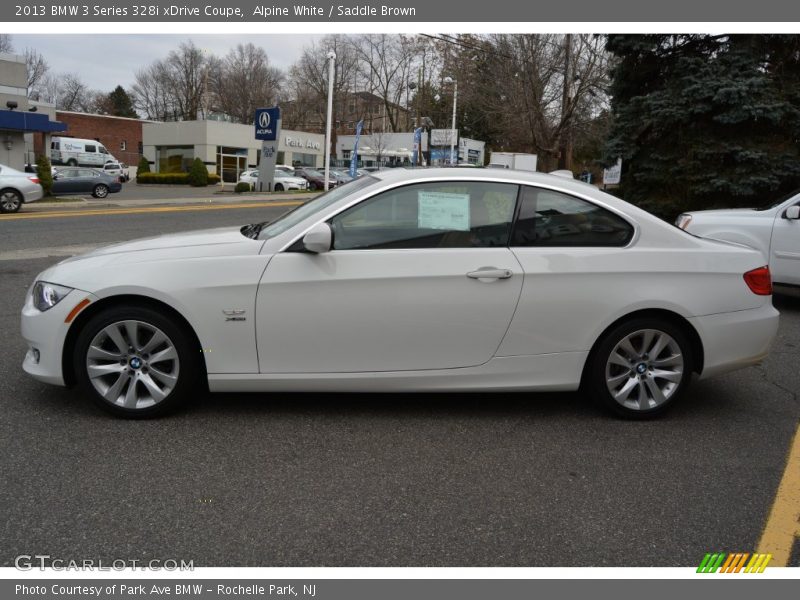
x=44 y=172
x=144 y=166
x=702 y=121
x=120 y=103
x=198 y=174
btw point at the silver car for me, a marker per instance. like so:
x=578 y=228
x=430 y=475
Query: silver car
x=17 y=188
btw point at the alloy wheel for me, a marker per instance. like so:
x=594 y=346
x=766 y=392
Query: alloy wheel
x=644 y=370
x=132 y=364
x=10 y=201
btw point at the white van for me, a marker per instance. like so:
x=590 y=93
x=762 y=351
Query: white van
x=77 y=152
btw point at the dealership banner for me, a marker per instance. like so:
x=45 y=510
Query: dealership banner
x=392 y=589
x=441 y=11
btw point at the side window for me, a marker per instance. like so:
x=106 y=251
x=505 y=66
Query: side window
x=450 y=214
x=67 y=173
x=550 y=218
x=87 y=173
x=90 y=148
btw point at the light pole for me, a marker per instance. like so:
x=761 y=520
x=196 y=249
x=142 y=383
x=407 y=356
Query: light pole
x=453 y=128
x=331 y=67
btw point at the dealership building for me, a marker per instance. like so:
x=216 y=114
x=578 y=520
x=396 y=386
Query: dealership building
x=225 y=148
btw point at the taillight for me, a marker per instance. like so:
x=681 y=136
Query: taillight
x=34 y=179
x=759 y=281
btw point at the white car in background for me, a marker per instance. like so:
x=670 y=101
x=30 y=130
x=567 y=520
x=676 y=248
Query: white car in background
x=408 y=280
x=250 y=176
x=773 y=230
x=17 y=188
x=285 y=181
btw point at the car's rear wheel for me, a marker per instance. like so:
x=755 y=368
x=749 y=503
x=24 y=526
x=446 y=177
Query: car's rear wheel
x=10 y=201
x=134 y=362
x=640 y=368
x=100 y=191
x=278 y=187
x=312 y=186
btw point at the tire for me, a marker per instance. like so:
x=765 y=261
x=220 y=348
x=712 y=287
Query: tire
x=128 y=382
x=278 y=187
x=626 y=378
x=72 y=162
x=100 y=191
x=10 y=201
x=312 y=186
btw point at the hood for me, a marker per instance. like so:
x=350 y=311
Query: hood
x=722 y=212
x=201 y=237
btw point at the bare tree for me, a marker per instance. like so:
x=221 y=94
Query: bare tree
x=386 y=62
x=243 y=81
x=74 y=94
x=173 y=89
x=5 y=44
x=37 y=69
x=308 y=84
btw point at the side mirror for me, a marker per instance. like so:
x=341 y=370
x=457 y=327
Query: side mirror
x=793 y=212
x=318 y=239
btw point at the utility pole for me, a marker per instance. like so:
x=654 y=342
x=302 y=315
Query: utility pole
x=565 y=160
x=331 y=71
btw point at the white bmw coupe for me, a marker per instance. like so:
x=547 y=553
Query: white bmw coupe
x=421 y=280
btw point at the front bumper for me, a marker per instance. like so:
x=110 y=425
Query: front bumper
x=735 y=340
x=45 y=333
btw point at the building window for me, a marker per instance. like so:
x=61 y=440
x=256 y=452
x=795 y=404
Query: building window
x=123 y=146
x=304 y=160
x=231 y=162
x=174 y=159
x=141 y=148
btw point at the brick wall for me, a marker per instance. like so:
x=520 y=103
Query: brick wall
x=109 y=131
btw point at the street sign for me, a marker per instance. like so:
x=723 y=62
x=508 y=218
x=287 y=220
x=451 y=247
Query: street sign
x=444 y=137
x=613 y=174
x=266 y=123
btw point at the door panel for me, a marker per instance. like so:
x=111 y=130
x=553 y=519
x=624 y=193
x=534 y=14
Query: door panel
x=384 y=310
x=785 y=250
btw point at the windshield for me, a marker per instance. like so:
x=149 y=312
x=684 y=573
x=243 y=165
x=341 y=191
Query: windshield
x=263 y=231
x=782 y=199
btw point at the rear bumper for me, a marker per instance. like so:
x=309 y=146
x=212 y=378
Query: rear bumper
x=33 y=194
x=736 y=339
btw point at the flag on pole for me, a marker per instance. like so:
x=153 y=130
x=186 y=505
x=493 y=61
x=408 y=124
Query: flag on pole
x=354 y=158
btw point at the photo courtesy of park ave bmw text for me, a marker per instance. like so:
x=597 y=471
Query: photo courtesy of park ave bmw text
x=377 y=300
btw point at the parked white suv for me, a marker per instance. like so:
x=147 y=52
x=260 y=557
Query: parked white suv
x=774 y=230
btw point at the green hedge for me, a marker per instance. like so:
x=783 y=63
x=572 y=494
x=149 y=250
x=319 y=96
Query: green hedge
x=242 y=187
x=172 y=178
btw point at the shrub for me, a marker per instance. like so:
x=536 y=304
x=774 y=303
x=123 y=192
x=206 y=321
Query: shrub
x=242 y=187
x=163 y=178
x=171 y=178
x=198 y=174
x=45 y=173
x=144 y=166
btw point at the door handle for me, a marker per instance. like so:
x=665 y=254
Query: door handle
x=490 y=273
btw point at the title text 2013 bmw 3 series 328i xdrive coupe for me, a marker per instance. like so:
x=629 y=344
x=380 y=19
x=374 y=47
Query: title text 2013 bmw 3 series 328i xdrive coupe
x=424 y=280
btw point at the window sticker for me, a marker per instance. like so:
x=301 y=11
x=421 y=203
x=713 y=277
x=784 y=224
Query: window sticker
x=440 y=210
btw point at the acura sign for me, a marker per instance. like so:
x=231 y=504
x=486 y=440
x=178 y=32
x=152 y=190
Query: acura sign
x=268 y=129
x=266 y=123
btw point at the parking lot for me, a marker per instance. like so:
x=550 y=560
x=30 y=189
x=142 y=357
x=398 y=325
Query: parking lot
x=389 y=480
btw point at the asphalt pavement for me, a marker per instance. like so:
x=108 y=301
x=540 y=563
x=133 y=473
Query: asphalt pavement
x=378 y=480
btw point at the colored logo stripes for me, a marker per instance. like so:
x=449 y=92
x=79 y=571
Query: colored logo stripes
x=734 y=563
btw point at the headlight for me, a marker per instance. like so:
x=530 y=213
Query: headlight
x=47 y=295
x=683 y=221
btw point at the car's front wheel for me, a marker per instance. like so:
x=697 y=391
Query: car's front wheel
x=100 y=191
x=640 y=368
x=10 y=201
x=134 y=362
x=278 y=187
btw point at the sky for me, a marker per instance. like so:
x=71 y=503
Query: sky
x=105 y=61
